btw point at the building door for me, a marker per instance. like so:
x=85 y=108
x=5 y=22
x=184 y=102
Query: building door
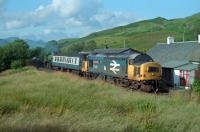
x=184 y=78
x=167 y=76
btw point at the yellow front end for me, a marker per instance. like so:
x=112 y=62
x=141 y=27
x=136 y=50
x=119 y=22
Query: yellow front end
x=150 y=71
x=146 y=71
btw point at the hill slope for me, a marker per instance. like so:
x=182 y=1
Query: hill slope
x=32 y=100
x=144 y=34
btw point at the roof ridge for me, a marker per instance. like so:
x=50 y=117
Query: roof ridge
x=178 y=42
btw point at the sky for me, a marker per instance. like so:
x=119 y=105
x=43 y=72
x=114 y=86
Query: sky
x=57 y=19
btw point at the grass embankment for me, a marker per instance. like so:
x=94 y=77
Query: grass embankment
x=39 y=101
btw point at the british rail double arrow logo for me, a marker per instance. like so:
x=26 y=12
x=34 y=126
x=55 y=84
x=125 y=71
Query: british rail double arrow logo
x=114 y=66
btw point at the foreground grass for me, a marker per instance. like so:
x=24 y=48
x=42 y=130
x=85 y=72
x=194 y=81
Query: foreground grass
x=38 y=101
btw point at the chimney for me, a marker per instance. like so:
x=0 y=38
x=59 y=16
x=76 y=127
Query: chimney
x=170 y=40
x=199 y=38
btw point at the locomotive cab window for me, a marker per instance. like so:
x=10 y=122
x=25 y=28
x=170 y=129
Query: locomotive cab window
x=153 y=69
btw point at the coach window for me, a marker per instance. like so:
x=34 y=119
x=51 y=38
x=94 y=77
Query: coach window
x=72 y=61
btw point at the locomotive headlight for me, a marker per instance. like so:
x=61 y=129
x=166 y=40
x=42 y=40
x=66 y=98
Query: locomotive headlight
x=153 y=74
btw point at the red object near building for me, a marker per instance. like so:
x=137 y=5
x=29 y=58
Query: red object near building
x=184 y=77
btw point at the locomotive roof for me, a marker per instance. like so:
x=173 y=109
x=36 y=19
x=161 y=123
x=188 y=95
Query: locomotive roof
x=129 y=55
x=110 y=53
x=121 y=55
x=115 y=51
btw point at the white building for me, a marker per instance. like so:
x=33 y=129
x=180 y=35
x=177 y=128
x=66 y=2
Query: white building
x=179 y=61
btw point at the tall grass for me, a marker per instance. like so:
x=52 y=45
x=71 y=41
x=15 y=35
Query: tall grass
x=39 y=101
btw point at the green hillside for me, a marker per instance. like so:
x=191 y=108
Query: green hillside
x=32 y=100
x=144 y=34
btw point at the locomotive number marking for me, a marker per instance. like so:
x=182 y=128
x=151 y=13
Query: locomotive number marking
x=114 y=66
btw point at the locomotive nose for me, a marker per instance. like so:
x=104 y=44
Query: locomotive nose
x=151 y=71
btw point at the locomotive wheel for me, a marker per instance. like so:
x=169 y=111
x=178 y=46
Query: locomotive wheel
x=135 y=85
x=124 y=83
x=146 y=88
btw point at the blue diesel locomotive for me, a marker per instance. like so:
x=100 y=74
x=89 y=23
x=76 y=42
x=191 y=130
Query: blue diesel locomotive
x=126 y=67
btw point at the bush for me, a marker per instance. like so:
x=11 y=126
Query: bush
x=196 y=87
x=16 y=64
x=9 y=53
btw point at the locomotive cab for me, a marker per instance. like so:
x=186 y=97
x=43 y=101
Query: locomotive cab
x=142 y=68
x=150 y=71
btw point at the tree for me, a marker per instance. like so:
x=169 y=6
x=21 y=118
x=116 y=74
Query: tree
x=73 y=48
x=16 y=64
x=20 y=50
x=37 y=52
x=2 y=66
x=52 y=47
x=196 y=87
x=16 y=50
x=78 y=47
